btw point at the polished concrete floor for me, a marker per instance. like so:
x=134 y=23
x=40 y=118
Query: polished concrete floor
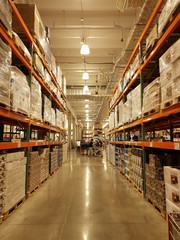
x=87 y=199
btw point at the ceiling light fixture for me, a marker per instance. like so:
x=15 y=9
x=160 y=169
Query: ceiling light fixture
x=86 y=106
x=85 y=76
x=85 y=89
x=84 y=48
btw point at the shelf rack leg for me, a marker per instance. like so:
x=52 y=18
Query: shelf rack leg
x=28 y=134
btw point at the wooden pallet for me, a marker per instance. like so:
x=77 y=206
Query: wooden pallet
x=161 y=212
x=167 y=104
x=4 y=106
x=151 y=111
x=30 y=193
x=139 y=190
x=12 y=210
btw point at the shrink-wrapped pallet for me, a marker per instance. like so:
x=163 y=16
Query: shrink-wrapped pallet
x=20 y=92
x=152 y=37
x=53 y=160
x=44 y=158
x=6 y=14
x=136 y=103
x=170 y=75
x=38 y=65
x=152 y=97
x=167 y=11
x=34 y=172
x=59 y=119
x=32 y=19
x=36 y=100
x=53 y=117
x=5 y=73
x=12 y=171
x=46 y=109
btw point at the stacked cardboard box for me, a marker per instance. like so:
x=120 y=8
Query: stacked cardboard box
x=36 y=100
x=20 y=92
x=135 y=64
x=136 y=103
x=166 y=13
x=6 y=15
x=46 y=109
x=170 y=75
x=127 y=112
x=60 y=156
x=111 y=154
x=152 y=37
x=60 y=119
x=44 y=158
x=53 y=160
x=5 y=72
x=121 y=113
x=155 y=186
x=137 y=168
x=34 y=178
x=32 y=19
x=12 y=177
x=151 y=97
x=172 y=185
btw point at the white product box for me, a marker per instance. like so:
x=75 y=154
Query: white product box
x=172 y=176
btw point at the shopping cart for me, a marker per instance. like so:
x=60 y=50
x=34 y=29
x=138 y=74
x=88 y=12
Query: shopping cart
x=174 y=226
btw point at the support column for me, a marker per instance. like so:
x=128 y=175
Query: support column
x=69 y=131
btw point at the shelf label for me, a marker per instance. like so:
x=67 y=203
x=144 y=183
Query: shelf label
x=176 y=146
x=151 y=144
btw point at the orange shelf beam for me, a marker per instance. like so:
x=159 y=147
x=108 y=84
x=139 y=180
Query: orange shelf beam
x=15 y=145
x=160 y=145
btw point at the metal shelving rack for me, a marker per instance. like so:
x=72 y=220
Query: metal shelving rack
x=12 y=118
x=165 y=118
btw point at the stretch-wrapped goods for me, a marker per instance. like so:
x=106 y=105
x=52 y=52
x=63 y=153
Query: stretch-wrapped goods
x=36 y=100
x=20 y=92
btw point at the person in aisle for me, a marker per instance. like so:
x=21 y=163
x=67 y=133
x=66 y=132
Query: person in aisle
x=90 y=150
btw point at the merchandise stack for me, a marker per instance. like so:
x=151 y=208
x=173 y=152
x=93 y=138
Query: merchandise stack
x=127 y=114
x=111 y=154
x=170 y=75
x=118 y=156
x=53 y=165
x=172 y=185
x=44 y=158
x=34 y=171
x=155 y=186
x=6 y=15
x=36 y=100
x=5 y=73
x=136 y=105
x=12 y=171
x=60 y=156
x=20 y=92
x=59 y=119
x=121 y=113
x=137 y=168
x=128 y=163
x=46 y=109
x=151 y=98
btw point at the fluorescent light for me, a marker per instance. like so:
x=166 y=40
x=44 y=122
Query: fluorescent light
x=84 y=49
x=87 y=114
x=86 y=110
x=85 y=76
x=86 y=100
x=86 y=106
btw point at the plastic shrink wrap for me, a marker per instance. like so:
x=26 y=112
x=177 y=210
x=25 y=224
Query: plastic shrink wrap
x=12 y=176
x=32 y=19
x=60 y=118
x=5 y=73
x=53 y=117
x=166 y=13
x=170 y=75
x=152 y=97
x=22 y=47
x=46 y=109
x=136 y=103
x=38 y=65
x=6 y=14
x=36 y=100
x=20 y=92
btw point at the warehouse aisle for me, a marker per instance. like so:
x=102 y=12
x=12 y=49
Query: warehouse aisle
x=87 y=199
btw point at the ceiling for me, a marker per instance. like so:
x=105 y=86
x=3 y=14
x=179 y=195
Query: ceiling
x=108 y=32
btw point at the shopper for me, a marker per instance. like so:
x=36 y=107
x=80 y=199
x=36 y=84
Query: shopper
x=90 y=150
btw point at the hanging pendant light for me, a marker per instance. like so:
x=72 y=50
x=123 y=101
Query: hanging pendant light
x=85 y=76
x=84 y=48
x=85 y=89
